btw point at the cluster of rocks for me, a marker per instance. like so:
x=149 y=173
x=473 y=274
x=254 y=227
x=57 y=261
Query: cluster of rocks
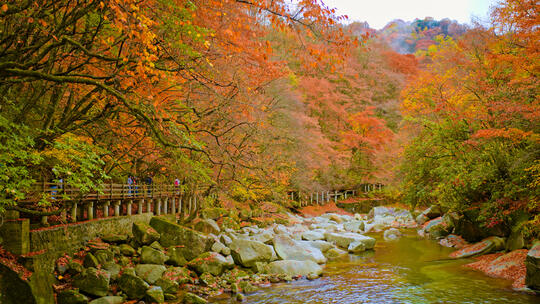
x=164 y=261
x=453 y=230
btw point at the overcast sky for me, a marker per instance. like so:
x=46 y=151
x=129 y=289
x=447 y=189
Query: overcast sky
x=379 y=12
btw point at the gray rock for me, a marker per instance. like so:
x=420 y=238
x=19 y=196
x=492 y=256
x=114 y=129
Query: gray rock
x=150 y=272
x=321 y=245
x=90 y=261
x=172 y=234
x=207 y=226
x=92 y=281
x=133 y=286
x=152 y=256
x=127 y=250
x=246 y=252
x=392 y=234
x=312 y=235
x=335 y=253
x=71 y=297
x=354 y=226
x=532 y=264
x=154 y=294
x=210 y=262
x=144 y=234
x=293 y=268
x=190 y=298
x=176 y=256
x=488 y=245
x=115 y=238
x=168 y=285
x=108 y=300
x=343 y=240
x=289 y=249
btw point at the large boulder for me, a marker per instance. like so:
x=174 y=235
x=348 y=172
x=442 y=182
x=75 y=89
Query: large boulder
x=173 y=234
x=289 y=249
x=488 y=245
x=320 y=244
x=312 y=235
x=93 y=282
x=354 y=226
x=380 y=211
x=207 y=226
x=210 y=262
x=150 y=272
x=247 y=252
x=133 y=286
x=293 y=268
x=190 y=298
x=144 y=234
x=214 y=213
x=439 y=227
x=334 y=253
x=150 y=255
x=343 y=240
x=532 y=263
x=176 y=256
x=154 y=294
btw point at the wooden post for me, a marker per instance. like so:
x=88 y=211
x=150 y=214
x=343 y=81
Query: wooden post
x=90 y=210
x=311 y=198
x=180 y=205
x=317 y=197
x=117 y=208
x=335 y=196
x=45 y=221
x=157 y=207
x=149 y=205
x=173 y=206
x=130 y=202
x=345 y=194
x=140 y=206
x=165 y=205
x=106 y=209
x=74 y=212
x=189 y=206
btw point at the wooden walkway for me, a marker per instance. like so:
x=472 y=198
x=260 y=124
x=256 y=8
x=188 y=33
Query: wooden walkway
x=71 y=204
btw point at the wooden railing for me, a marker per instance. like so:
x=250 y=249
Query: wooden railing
x=323 y=197
x=71 y=204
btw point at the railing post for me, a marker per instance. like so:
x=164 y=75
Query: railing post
x=317 y=197
x=74 y=212
x=106 y=209
x=345 y=194
x=149 y=205
x=157 y=207
x=311 y=198
x=117 y=208
x=335 y=196
x=173 y=205
x=130 y=202
x=140 y=206
x=189 y=206
x=165 y=205
x=45 y=221
x=90 y=210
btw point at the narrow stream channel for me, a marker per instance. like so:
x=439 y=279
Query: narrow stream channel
x=408 y=270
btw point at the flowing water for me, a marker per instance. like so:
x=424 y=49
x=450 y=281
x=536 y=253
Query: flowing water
x=408 y=270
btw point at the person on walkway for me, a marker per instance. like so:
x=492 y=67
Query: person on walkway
x=148 y=180
x=130 y=185
x=177 y=185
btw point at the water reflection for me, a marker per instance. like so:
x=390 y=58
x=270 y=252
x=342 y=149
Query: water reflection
x=409 y=270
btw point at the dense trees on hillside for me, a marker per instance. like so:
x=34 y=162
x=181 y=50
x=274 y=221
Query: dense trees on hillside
x=475 y=114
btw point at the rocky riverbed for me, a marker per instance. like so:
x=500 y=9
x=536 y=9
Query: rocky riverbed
x=166 y=262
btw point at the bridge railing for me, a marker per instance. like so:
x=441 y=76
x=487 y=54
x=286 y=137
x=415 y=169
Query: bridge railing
x=67 y=203
x=323 y=197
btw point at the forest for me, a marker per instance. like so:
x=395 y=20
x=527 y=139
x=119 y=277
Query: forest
x=254 y=99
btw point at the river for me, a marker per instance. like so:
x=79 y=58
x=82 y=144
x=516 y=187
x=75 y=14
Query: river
x=408 y=270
